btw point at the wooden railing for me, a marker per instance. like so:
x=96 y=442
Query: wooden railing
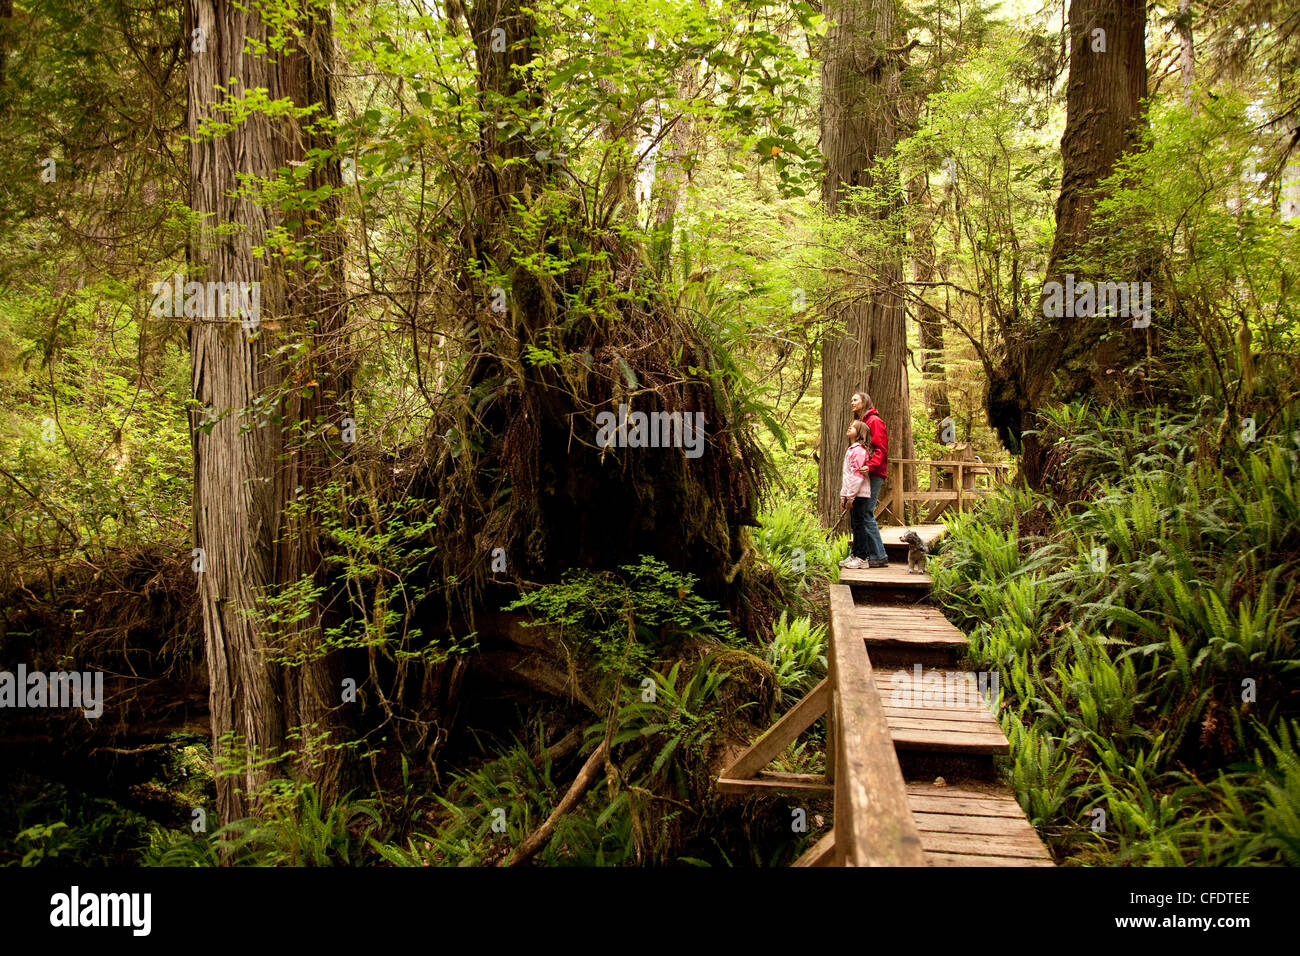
x=873 y=825
x=967 y=481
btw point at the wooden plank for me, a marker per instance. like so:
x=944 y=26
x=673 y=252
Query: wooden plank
x=887 y=629
x=915 y=622
x=942 y=726
x=917 y=613
x=926 y=640
x=821 y=853
x=950 y=462
x=887 y=626
x=919 y=635
x=950 y=713
x=912 y=619
x=764 y=785
x=780 y=735
x=924 y=803
x=910 y=739
x=962 y=859
x=937 y=689
x=973 y=711
x=895 y=575
x=872 y=624
x=965 y=790
x=1026 y=847
x=959 y=823
x=873 y=823
x=1022 y=846
x=951 y=677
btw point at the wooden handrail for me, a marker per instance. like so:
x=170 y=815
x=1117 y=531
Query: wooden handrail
x=968 y=463
x=873 y=823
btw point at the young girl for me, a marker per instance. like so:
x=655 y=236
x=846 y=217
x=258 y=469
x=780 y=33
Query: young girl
x=855 y=492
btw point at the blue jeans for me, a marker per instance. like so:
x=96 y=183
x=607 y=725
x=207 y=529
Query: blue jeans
x=866 y=533
x=861 y=537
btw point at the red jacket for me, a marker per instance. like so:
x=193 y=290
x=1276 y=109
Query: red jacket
x=878 y=462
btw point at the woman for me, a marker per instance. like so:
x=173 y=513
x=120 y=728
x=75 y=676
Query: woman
x=855 y=492
x=860 y=403
x=875 y=471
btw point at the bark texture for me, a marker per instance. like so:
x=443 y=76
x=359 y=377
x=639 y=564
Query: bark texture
x=1186 y=49
x=867 y=347
x=258 y=413
x=1067 y=358
x=929 y=320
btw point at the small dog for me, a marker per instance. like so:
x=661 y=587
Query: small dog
x=917 y=553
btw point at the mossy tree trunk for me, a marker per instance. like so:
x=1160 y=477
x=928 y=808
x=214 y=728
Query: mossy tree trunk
x=522 y=475
x=1062 y=359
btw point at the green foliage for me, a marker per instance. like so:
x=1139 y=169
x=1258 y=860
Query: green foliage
x=294 y=829
x=662 y=725
x=798 y=655
x=621 y=621
x=95 y=449
x=1147 y=636
x=790 y=541
x=658 y=750
x=1197 y=195
x=45 y=823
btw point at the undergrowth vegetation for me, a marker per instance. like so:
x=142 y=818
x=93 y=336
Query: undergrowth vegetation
x=674 y=685
x=1144 y=621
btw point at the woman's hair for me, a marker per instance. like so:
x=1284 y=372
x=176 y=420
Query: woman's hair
x=861 y=432
x=866 y=401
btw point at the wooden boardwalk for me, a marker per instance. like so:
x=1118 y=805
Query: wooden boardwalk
x=911 y=741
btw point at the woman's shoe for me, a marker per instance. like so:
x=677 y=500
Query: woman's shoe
x=877 y=563
x=845 y=562
x=853 y=564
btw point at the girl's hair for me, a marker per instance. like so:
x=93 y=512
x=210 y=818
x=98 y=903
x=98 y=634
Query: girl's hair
x=861 y=432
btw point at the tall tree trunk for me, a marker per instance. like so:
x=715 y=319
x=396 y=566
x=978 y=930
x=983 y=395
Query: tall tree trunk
x=671 y=177
x=256 y=411
x=929 y=320
x=6 y=24
x=1186 y=49
x=1069 y=359
x=868 y=350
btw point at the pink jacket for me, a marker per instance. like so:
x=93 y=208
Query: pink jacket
x=852 y=484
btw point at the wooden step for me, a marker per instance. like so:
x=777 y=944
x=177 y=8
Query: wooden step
x=973 y=825
x=895 y=576
x=935 y=709
x=902 y=629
